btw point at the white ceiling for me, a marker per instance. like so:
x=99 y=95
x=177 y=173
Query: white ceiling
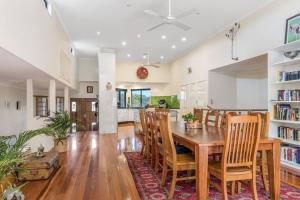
x=122 y=20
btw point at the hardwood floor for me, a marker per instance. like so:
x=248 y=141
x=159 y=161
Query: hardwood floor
x=95 y=168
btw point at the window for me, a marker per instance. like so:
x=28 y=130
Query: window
x=140 y=98
x=121 y=98
x=41 y=106
x=59 y=104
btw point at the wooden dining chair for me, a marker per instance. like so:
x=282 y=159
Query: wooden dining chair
x=224 y=118
x=162 y=110
x=212 y=118
x=239 y=156
x=144 y=132
x=176 y=162
x=159 y=151
x=198 y=113
x=151 y=137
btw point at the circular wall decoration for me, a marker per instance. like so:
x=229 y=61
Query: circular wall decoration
x=142 y=73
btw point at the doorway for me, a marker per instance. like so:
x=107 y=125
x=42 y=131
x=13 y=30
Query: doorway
x=84 y=114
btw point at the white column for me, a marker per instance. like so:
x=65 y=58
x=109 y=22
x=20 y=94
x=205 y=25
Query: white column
x=66 y=99
x=29 y=103
x=52 y=97
x=107 y=98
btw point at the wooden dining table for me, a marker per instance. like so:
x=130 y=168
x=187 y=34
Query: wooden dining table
x=210 y=140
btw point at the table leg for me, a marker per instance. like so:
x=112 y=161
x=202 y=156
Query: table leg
x=274 y=171
x=201 y=154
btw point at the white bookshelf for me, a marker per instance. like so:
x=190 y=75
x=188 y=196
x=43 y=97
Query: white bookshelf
x=277 y=63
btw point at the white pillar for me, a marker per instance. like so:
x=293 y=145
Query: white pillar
x=66 y=99
x=52 y=97
x=29 y=103
x=107 y=98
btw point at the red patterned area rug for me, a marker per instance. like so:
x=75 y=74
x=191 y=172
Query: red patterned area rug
x=148 y=185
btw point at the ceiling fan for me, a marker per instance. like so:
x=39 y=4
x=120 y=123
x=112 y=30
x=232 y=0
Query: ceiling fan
x=172 y=20
x=148 y=64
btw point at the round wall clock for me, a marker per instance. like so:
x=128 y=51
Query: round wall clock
x=142 y=73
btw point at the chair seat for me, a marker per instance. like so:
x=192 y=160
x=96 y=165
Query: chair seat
x=184 y=162
x=215 y=169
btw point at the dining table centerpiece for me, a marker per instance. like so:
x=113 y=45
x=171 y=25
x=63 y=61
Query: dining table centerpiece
x=191 y=121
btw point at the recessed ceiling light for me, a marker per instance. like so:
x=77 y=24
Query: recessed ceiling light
x=124 y=43
x=183 y=39
x=163 y=37
x=139 y=35
x=173 y=46
x=128 y=55
x=144 y=56
x=162 y=57
x=98 y=33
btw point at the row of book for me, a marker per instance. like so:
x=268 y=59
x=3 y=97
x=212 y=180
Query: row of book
x=290 y=154
x=288 y=95
x=285 y=112
x=288 y=76
x=289 y=133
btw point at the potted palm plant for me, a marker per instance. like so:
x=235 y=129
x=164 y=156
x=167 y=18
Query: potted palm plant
x=60 y=123
x=13 y=152
x=191 y=121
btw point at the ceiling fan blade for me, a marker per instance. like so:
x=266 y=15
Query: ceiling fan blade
x=182 y=26
x=157 y=26
x=187 y=13
x=153 y=13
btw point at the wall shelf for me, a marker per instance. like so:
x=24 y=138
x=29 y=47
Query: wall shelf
x=290 y=164
x=285 y=121
x=285 y=82
x=284 y=102
x=284 y=63
x=290 y=142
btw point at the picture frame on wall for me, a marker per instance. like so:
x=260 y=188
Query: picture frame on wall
x=89 y=89
x=292 y=29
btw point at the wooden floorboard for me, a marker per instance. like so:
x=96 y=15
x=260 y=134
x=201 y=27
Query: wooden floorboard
x=93 y=168
x=96 y=168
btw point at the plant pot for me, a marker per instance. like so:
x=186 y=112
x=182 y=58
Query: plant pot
x=7 y=181
x=192 y=124
x=61 y=145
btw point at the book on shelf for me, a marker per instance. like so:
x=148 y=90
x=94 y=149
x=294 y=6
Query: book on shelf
x=285 y=112
x=289 y=133
x=288 y=95
x=288 y=76
x=290 y=154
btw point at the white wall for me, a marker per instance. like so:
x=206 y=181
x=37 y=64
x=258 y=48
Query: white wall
x=12 y=121
x=126 y=72
x=82 y=91
x=88 y=69
x=29 y=32
x=252 y=90
x=222 y=90
x=259 y=33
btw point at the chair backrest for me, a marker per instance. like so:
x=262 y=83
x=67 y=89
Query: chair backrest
x=265 y=122
x=241 y=141
x=149 y=123
x=167 y=138
x=143 y=121
x=212 y=118
x=198 y=114
x=224 y=118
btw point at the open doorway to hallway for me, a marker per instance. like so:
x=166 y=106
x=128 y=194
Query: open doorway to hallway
x=84 y=114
